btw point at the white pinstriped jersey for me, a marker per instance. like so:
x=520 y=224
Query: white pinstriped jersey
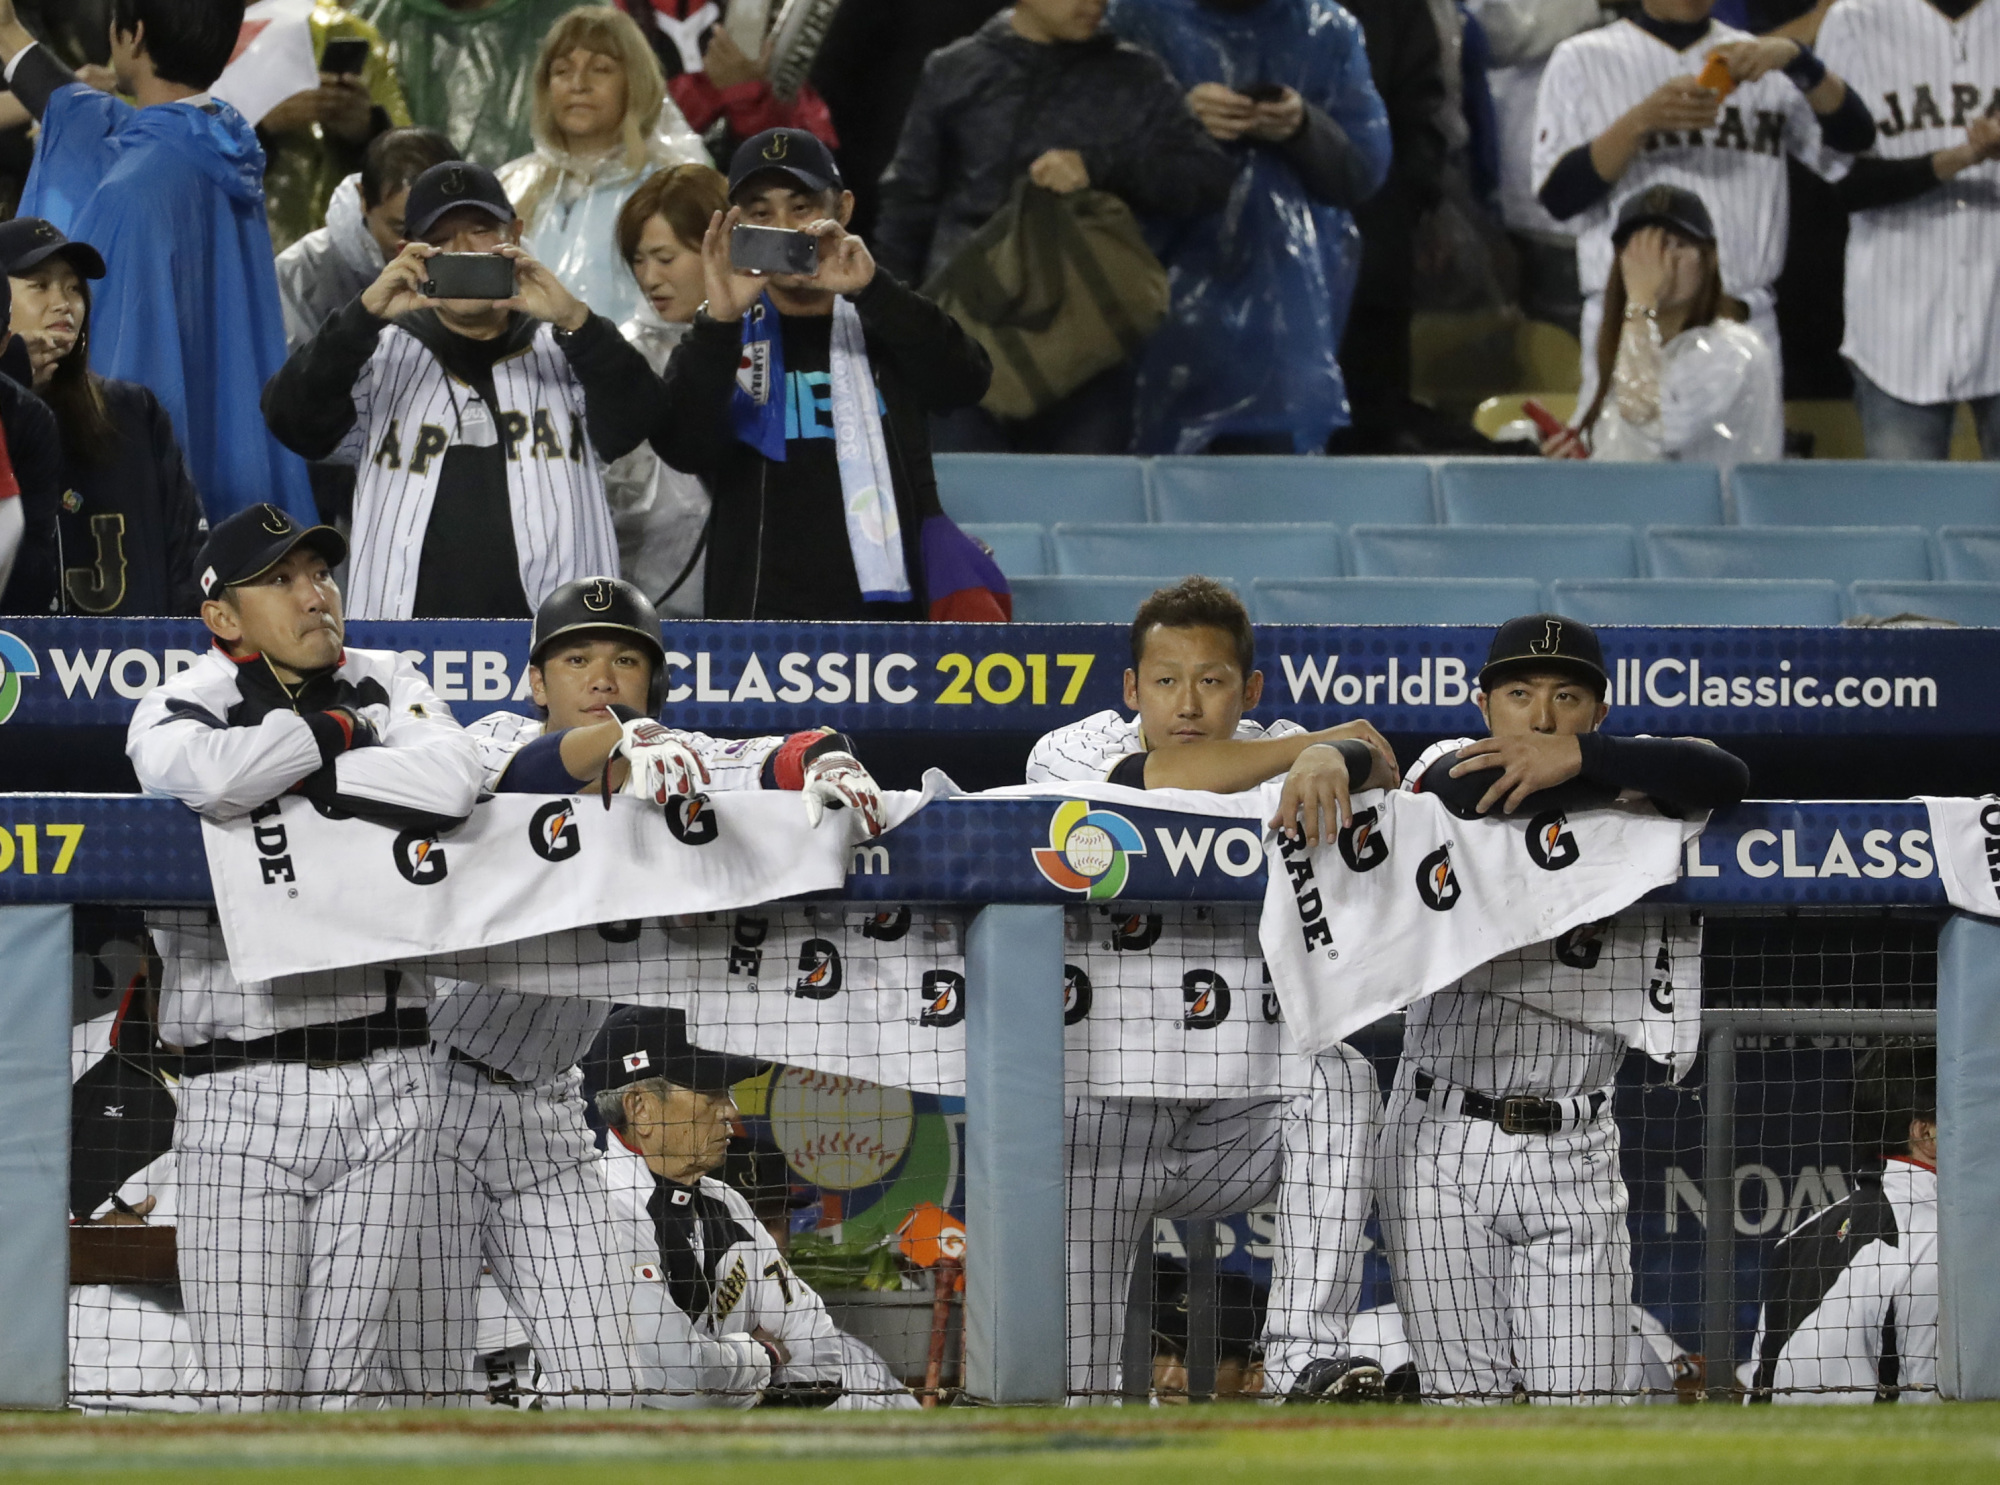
x=1923 y=277
x=1085 y=751
x=1554 y=1019
x=409 y=411
x=1737 y=168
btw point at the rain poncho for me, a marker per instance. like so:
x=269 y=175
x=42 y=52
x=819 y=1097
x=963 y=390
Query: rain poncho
x=1261 y=289
x=1709 y=395
x=571 y=206
x=325 y=269
x=470 y=73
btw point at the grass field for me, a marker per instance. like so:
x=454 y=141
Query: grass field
x=1507 y=1446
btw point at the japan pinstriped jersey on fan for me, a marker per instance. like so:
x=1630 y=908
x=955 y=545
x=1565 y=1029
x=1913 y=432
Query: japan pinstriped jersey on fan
x=410 y=412
x=1737 y=167
x=1923 y=276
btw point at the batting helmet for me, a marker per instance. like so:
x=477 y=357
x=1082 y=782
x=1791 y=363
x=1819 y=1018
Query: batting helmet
x=606 y=604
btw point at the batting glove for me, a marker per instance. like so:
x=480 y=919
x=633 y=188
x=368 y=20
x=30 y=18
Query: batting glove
x=664 y=763
x=838 y=781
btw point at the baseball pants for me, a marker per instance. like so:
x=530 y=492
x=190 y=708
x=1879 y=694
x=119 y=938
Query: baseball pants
x=1512 y=1262
x=298 y=1186
x=1130 y=1160
x=518 y=1188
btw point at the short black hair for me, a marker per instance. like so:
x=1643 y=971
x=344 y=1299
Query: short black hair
x=1892 y=1085
x=396 y=157
x=189 y=41
x=1196 y=603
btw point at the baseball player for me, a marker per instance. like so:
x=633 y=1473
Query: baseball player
x=1853 y=1312
x=1132 y=1159
x=1502 y=1204
x=303 y=1136
x=699 y=1253
x=1621 y=108
x=1921 y=342
x=520 y=1184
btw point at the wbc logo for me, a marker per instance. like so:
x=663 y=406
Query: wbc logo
x=1088 y=850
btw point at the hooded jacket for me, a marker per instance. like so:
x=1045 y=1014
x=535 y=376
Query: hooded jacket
x=988 y=106
x=325 y=269
x=173 y=197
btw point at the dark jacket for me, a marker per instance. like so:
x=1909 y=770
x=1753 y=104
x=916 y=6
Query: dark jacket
x=34 y=446
x=923 y=363
x=988 y=106
x=129 y=544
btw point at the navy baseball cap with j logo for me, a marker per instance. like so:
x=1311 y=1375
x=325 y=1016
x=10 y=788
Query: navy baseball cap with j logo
x=255 y=540
x=795 y=154
x=1545 y=643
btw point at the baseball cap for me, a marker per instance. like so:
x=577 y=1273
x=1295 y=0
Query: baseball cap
x=28 y=241
x=641 y=1042
x=1664 y=206
x=447 y=187
x=1545 y=642
x=792 y=153
x=253 y=541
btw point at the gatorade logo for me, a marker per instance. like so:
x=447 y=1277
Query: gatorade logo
x=1583 y=946
x=1206 y=996
x=1551 y=846
x=819 y=971
x=1362 y=845
x=1437 y=883
x=420 y=858
x=552 y=831
x=944 y=998
x=1076 y=995
x=691 y=820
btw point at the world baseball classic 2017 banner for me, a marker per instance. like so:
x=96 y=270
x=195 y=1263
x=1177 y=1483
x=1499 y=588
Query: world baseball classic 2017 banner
x=775 y=677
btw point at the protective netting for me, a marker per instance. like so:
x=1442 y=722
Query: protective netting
x=1490 y=1197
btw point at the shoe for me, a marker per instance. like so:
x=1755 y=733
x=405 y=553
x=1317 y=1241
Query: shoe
x=1349 y=1379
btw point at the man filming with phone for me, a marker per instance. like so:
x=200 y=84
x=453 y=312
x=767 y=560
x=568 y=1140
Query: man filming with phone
x=802 y=398
x=478 y=400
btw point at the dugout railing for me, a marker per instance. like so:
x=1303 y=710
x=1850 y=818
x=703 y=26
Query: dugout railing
x=1757 y=864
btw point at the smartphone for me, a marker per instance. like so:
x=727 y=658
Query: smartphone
x=1546 y=422
x=345 y=56
x=470 y=276
x=1714 y=76
x=1265 y=92
x=773 y=250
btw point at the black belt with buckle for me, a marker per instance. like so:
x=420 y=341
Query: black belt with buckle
x=327 y=1045
x=1519 y=1113
x=491 y=1074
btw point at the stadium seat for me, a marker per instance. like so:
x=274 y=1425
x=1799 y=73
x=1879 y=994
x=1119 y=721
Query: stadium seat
x=1699 y=601
x=1857 y=493
x=1380 y=600
x=1086 y=600
x=1041 y=487
x=1841 y=553
x=1021 y=549
x=1976 y=605
x=1276 y=488
x=1971 y=554
x=1535 y=552
x=1263 y=551
x=1564 y=492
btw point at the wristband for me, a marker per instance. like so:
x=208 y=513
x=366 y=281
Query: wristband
x=333 y=732
x=787 y=766
x=1805 y=70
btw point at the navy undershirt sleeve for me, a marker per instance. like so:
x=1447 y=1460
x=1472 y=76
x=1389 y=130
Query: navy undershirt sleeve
x=1850 y=128
x=1573 y=186
x=538 y=769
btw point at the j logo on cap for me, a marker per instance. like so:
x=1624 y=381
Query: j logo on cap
x=776 y=149
x=275 y=520
x=597 y=597
x=1551 y=640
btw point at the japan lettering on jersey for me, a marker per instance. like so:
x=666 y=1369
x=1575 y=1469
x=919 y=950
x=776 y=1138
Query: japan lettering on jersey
x=1737 y=167
x=1923 y=276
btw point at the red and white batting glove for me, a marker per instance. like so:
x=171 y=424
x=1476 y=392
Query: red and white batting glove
x=838 y=781
x=664 y=763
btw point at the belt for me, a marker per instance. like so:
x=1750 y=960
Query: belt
x=1516 y=1113
x=491 y=1074
x=327 y=1045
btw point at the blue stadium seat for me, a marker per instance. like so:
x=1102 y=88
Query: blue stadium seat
x=1086 y=600
x=1565 y=492
x=1277 y=488
x=1859 y=492
x=1971 y=553
x=1263 y=551
x=1382 y=600
x=1536 y=552
x=1842 y=553
x=1041 y=487
x=1976 y=605
x=1699 y=601
x=1021 y=549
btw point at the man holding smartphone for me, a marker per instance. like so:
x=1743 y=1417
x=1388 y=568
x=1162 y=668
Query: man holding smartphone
x=817 y=451
x=478 y=400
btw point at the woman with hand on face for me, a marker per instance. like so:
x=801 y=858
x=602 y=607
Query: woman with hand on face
x=1680 y=376
x=661 y=514
x=131 y=521
x=602 y=124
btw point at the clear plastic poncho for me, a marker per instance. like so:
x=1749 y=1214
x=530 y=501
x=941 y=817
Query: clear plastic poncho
x=1710 y=395
x=1261 y=289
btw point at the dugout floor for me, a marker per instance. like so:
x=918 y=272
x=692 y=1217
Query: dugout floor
x=1767 y=1446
